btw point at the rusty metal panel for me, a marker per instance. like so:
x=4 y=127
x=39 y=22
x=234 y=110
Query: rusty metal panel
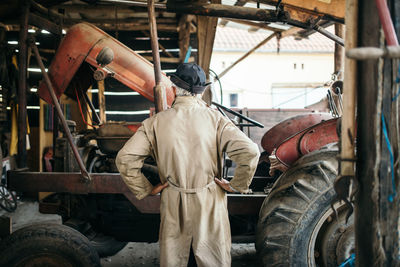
x=83 y=43
x=109 y=184
x=316 y=137
x=63 y=182
x=287 y=128
x=319 y=136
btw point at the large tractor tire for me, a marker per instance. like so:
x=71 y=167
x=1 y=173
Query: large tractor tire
x=297 y=226
x=105 y=246
x=50 y=245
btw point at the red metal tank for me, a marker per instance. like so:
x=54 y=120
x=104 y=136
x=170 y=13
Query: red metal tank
x=287 y=128
x=82 y=43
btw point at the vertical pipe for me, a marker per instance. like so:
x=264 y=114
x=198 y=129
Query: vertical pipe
x=160 y=99
x=22 y=76
x=102 y=102
x=78 y=158
x=387 y=24
x=94 y=113
x=56 y=124
x=55 y=128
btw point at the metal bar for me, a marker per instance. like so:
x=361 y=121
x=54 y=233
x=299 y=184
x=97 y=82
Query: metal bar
x=160 y=99
x=78 y=158
x=247 y=54
x=223 y=11
x=91 y=107
x=134 y=3
x=238 y=114
x=161 y=46
x=328 y=34
x=22 y=76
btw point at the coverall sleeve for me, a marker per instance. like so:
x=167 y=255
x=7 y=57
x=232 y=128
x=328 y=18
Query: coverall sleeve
x=130 y=161
x=242 y=151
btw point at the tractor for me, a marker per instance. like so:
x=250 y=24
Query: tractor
x=288 y=214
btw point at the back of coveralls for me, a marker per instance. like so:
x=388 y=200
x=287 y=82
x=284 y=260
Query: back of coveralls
x=187 y=142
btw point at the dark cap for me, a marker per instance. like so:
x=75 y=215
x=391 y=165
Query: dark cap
x=191 y=77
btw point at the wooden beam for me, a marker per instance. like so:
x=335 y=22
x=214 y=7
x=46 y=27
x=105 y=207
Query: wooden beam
x=223 y=22
x=79 y=8
x=290 y=32
x=130 y=27
x=263 y=42
x=168 y=59
x=160 y=45
x=43 y=23
x=334 y=8
x=119 y=4
x=222 y=11
x=260 y=25
x=133 y=21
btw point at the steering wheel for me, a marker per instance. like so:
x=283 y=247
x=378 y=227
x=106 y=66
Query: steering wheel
x=252 y=123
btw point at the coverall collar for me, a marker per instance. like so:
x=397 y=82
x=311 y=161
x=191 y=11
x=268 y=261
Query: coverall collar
x=188 y=101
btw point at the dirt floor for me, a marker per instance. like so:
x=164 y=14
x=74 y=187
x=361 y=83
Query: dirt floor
x=146 y=255
x=134 y=254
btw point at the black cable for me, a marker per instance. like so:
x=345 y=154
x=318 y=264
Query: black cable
x=219 y=81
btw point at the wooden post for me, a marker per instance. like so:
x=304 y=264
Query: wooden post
x=184 y=36
x=367 y=234
x=376 y=209
x=160 y=99
x=23 y=48
x=102 y=102
x=206 y=28
x=339 y=52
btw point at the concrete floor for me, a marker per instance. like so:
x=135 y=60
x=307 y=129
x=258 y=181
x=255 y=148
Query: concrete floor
x=134 y=254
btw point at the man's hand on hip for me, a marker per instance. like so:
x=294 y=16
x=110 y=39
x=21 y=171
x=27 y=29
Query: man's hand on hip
x=158 y=188
x=224 y=184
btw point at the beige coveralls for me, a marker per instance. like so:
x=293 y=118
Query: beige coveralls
x=187 y=142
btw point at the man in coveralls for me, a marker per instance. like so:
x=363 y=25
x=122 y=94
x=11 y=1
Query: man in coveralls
x=187 y=141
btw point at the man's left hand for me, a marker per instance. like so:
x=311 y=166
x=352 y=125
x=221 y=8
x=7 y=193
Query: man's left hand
x=158 y=188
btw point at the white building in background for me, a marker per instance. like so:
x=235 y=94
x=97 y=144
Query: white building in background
x=267 y=79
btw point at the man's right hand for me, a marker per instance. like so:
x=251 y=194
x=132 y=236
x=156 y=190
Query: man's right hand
x=158 y=188
x=224 y=184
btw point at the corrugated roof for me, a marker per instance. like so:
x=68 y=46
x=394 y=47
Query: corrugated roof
x=236 y=39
